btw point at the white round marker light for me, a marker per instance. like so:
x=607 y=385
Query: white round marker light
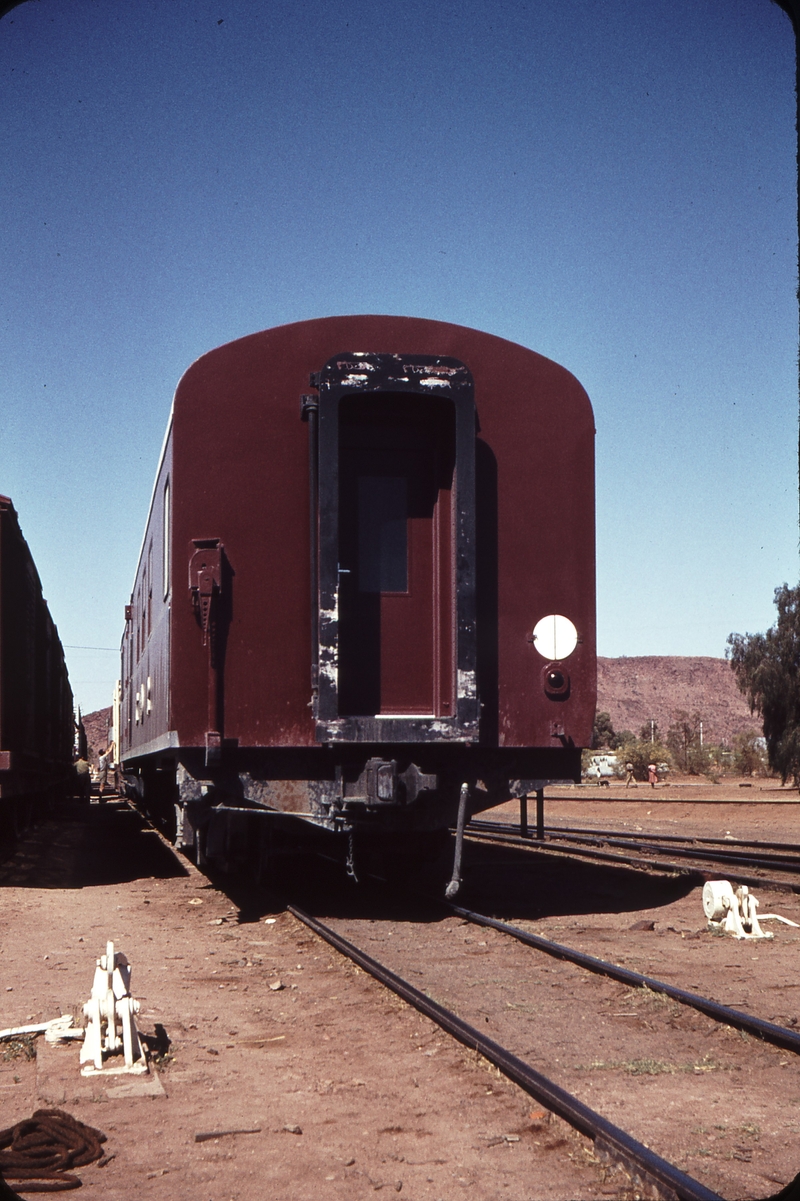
x=555 y=637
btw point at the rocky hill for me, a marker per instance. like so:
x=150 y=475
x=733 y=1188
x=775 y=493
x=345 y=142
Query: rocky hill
x=639 y=689
x=97 y=727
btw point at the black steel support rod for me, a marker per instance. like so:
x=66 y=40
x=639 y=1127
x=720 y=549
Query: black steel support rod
x=523 y=816
x=779 y=1035
x=540 y=814
x=455 y=881
x=608 y=1137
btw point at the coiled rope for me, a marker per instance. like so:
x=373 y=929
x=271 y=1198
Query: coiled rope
x=39 y=1152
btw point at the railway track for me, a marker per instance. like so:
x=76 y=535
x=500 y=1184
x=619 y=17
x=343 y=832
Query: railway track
x=645 y=1166
x=693 y=840
x=787 y=859
x=492 y=992
x=779 y=1036
x=697 y=861
x=642 y=1163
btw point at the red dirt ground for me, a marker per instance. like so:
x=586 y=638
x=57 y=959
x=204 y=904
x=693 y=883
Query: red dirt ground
x=352 y=1090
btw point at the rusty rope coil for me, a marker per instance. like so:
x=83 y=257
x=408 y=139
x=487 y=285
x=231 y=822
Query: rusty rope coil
x=38 y=1151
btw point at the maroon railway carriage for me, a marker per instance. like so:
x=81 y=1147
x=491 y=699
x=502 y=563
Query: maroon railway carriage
x=36 y=721
x=366 y=583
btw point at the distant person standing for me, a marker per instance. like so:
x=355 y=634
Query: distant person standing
x=83 y=779
x=102 y=774
x=652 y=775
x=113 y=763
x=629 y=778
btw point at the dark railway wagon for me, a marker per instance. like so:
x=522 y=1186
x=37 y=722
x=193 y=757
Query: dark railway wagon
x=36 y=717
x=366 y=586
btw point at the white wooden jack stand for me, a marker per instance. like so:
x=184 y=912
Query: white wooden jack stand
x=111 y=1005
x=735 y=913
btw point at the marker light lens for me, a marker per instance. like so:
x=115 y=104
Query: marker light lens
x=555 y=637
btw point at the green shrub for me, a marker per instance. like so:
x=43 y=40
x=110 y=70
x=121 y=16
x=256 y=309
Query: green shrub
x=641 y=754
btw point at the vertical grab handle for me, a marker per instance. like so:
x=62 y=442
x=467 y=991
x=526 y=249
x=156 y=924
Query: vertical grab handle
x=205 y=585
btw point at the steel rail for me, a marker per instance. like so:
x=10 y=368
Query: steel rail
x=651 y=843
x=681 y=869
x=701 y=840
x=726 y=858
x=781 y=1036
x=608 y=1138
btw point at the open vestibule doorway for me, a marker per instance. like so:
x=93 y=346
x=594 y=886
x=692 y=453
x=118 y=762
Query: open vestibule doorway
x=396 y=560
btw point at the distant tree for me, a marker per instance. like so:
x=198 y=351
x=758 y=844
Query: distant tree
x=603 y=732
x=685 y=742
x=650 y=732
x=749 y=755
x=767 y=670
x=720 y=760
x=680 y=736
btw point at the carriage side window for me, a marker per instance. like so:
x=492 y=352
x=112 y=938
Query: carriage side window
x=143 y=611
x=165 y=534
x=149 y=591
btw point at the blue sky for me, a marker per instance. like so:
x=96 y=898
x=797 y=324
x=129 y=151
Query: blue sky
x=612 y=185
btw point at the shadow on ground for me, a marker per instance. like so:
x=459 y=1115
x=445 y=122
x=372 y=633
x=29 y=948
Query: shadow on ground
x=83 y=846
x=531 y=884
x=504 y=882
